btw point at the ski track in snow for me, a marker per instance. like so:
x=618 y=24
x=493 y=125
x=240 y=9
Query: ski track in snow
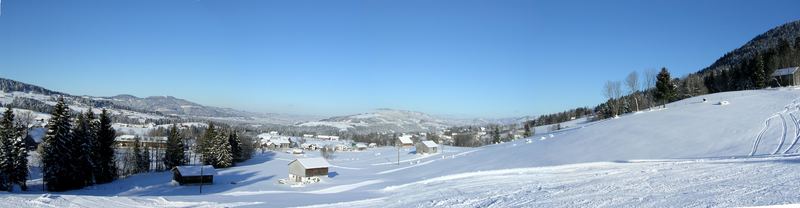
x=792 y=108
x=783 y=135
x=761 y=134
x=796 y=133
x=407 y=167
x=331 y=190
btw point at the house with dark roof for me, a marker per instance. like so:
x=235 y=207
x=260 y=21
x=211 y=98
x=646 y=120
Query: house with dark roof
x=786 y=76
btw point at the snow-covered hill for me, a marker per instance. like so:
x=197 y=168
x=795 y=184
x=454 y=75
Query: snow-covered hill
x=383 y=120
x=690 y=154
x=392 y=120
x=39 y=99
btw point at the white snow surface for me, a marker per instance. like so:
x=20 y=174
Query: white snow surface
x=689 y=154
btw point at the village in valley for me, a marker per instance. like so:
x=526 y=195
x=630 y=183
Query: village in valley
x=395 y=104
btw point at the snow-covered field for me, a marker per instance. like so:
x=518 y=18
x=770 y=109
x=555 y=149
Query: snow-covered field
x=691 y=154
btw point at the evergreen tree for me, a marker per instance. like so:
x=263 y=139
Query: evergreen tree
x=206 y=144
x=236 y=147
x=174 y=155
x=19 y=153
x=82 y=152
x=56 y=150
x=145 y=160
x=8 y=133
x=665 y=91
x=91 y=145
x=222 y=152
x=105 y=162
x=138 y=159
x=496 y=135
x=527 y=129
x=759 y=73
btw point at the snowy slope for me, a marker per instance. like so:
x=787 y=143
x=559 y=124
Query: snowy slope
x=704 y=150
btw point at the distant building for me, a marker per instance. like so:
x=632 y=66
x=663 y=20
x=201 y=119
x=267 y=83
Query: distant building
x=194 y=174
x=787 y=76
x=272 y=141
x=405 y=141
x=308 y=146
x=373 y=145
x=326 y=137
x=427 y=147
x=341 y=147
x=146 y=141
x=304 y=170
x=361 y=146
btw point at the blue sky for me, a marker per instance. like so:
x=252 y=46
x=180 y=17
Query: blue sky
x=468 y=58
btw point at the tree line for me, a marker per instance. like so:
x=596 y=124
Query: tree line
x=80 y=152
x=77 y=153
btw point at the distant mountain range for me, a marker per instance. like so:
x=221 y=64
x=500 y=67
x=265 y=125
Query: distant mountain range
x=27 y=96
x=155 y=107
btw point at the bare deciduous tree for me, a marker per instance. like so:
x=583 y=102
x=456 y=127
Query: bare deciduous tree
x=632 y=82
x=612 y=90
x=649 y=82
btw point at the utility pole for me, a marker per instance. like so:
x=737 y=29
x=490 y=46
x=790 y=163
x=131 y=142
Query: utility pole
x=201 y=178
x=398 y=153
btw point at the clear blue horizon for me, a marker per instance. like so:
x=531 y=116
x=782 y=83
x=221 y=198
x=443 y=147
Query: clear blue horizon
x=467 y=58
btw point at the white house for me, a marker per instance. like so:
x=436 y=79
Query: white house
x=361 y=146
x=308 y=170
x=427 y=147
x=405 y=141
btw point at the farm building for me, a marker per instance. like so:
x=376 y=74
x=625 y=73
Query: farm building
x=427 y=147
x=194 y=174
x=361 y=146
x=326 y=137
x=305 y=170
x=405 y=141
x=152 y=142
x=786 y=76
x=308 y=146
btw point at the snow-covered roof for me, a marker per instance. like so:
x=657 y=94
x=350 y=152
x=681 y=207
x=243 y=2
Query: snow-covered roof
x=785 y=71
x=315 y=162
x=406 y=140
x=360 y=145
x=429 y=143
x=194 y=170
x=125 y=137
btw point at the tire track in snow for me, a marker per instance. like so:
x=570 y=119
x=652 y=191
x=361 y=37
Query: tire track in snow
x=783 y=135
x=796 y=133
x=761 y=134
